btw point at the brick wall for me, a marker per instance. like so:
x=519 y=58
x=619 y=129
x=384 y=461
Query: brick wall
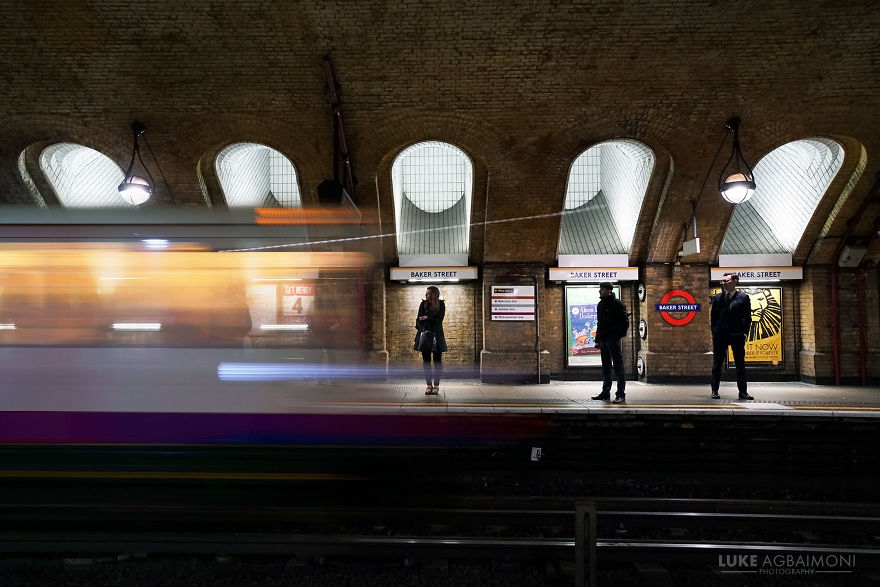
x=671 y=353
x=461 y=327
x=522 y=91
x=856 y=359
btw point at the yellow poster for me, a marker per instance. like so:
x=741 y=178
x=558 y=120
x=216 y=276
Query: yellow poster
x=764 y=342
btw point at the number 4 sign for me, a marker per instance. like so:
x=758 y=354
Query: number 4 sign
x=298 y=300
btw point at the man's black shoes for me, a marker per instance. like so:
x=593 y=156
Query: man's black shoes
x=715 y=395
x=607 y=396
x=745 y=396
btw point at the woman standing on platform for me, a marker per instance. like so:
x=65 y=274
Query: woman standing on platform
x=432 y=310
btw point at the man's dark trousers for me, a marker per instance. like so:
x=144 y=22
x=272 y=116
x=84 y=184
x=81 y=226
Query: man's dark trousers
x=737 y=344
x=610 y=352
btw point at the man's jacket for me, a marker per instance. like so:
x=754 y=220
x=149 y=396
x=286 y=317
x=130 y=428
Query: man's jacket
x=611 y=319
x=731 y=318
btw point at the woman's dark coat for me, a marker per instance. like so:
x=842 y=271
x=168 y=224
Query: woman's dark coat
x=434 y=323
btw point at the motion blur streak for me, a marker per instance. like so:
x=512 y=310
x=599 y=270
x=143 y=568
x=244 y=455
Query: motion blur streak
x=296 y=372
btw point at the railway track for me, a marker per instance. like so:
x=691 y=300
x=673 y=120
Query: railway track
x=726 y=538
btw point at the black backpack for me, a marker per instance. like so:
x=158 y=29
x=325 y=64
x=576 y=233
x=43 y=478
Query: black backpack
x=625 y=328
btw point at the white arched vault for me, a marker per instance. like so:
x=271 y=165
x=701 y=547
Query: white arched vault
x=432 y=183
x=603 y=199
x=254 y=175
x=791 y=181
x=82 y=177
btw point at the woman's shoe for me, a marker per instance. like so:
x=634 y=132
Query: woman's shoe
x=429 y=390
x=436 y=390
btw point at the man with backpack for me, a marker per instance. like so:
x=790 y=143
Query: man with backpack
x=612 y=324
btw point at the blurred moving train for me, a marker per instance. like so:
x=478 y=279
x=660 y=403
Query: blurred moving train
x=174 y=311
x=203 y=280
x=170 y=328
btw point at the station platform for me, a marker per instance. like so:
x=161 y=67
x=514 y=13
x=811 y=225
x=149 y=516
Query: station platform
x=207 y=397
x=308 y=429
x=56 y=380
x=473 y=396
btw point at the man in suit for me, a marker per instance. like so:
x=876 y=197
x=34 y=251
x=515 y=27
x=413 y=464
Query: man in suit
x=730 y=319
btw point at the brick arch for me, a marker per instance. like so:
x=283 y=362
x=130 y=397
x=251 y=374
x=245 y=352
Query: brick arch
x=560 y=150
x=312 y=166
x=694 y=151
x=497 y=158
x=116 y=147
x=480 y=140
x=834 y=209
x=31 y=174
x=758 y=139
x=474 y=138
x=837 y=206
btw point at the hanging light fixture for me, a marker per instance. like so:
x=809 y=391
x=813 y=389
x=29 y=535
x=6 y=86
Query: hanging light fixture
x=736 y=183
x=135 y=189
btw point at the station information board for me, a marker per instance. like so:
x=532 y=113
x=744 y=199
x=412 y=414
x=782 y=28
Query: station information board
x=513 y=302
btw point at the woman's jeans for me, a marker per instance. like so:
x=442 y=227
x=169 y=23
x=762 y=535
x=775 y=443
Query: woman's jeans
x=438 y=366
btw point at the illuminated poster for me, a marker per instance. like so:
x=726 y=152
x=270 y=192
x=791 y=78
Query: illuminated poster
x=580 y=324
x=764 y=341
x=276 y=307
x=296 y=303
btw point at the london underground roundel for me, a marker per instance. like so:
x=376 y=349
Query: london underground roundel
x=690 y=309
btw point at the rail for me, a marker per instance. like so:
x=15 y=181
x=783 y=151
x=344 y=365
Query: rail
x=731 y=535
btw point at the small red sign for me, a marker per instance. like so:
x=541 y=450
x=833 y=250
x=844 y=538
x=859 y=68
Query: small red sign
x=679 y=293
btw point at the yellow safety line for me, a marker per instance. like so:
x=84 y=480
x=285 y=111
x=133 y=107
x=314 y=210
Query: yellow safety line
x=839 y=408
x=733 y=404
x=500 y=405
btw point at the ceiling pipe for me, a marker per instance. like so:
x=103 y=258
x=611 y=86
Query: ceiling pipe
x=860 y=307
x=340 y=144
x=835 y=270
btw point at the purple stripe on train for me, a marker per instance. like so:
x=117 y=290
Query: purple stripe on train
x=268 y=429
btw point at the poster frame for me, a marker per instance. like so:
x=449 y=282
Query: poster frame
x=578 y=294
x=775 y=311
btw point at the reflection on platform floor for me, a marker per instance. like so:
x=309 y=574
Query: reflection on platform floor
x=285 y=381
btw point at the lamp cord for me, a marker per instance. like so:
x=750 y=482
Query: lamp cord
x=714 y=160
x=703 y=186
x=162 y=173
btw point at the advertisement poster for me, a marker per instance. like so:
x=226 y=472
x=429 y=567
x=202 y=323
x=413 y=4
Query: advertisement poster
x=580 y=323
x=764 y=341
x=296 y=303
